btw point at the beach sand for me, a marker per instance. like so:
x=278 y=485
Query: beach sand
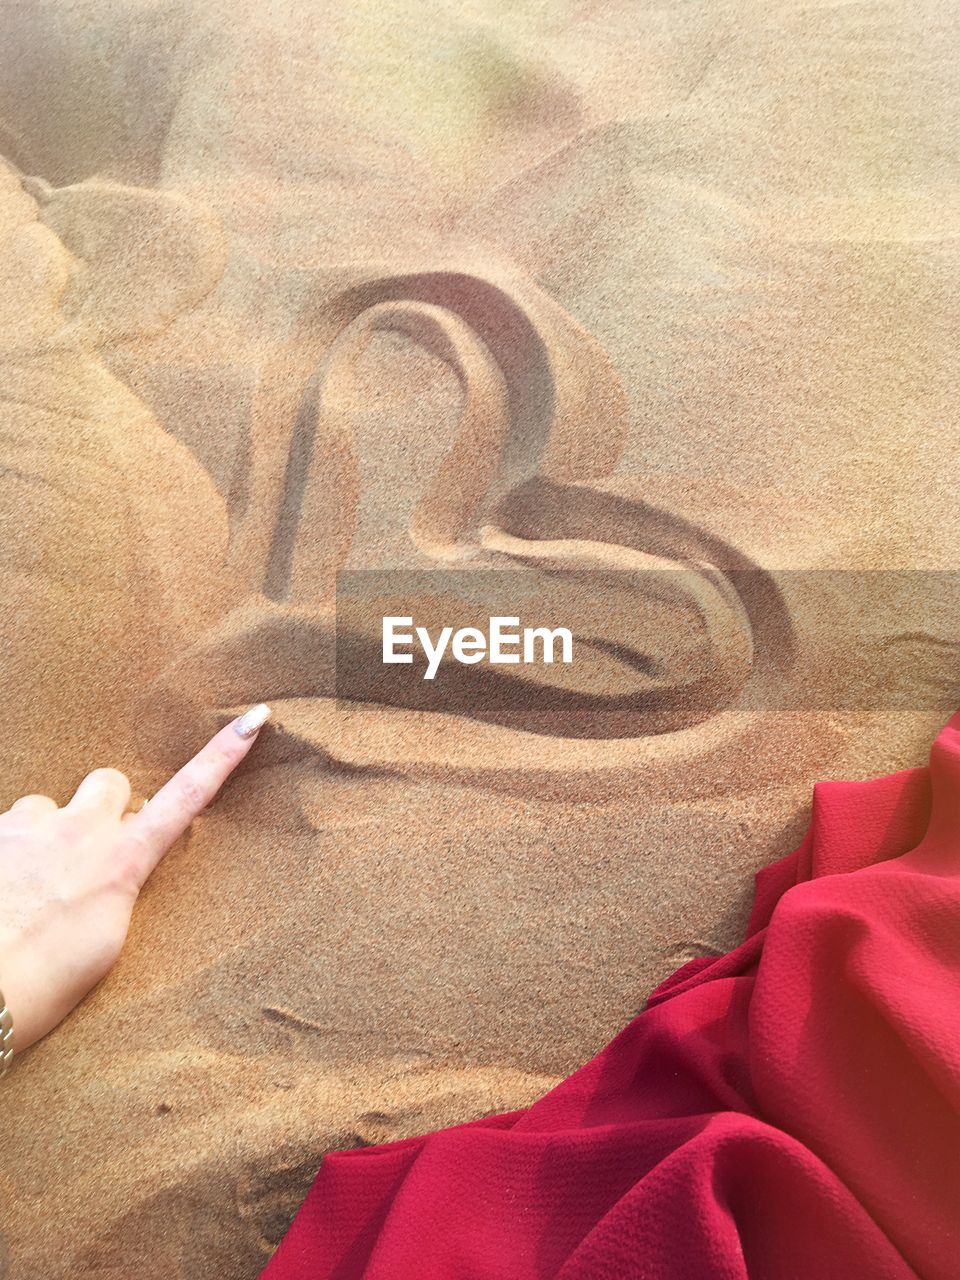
x=298 y=288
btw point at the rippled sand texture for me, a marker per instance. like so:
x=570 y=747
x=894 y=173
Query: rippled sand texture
x=295 y=287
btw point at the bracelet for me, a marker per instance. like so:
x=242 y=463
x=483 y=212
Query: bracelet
x=6 y=1037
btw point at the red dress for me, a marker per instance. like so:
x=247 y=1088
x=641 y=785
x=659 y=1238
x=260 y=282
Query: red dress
x=789 y=1111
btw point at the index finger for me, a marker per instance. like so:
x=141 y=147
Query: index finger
x=165 y=818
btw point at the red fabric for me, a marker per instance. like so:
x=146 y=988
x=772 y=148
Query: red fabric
x=790 y=1110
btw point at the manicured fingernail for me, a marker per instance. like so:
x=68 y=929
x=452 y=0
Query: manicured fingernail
x=252 y=721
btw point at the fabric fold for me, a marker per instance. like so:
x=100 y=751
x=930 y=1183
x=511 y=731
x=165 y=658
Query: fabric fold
x=790 y=1109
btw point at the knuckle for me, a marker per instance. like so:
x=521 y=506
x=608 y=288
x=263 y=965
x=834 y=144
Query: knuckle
x=112 y=778
x=126 y=875
x=221 y=756
x=73 y=828
x=194 y=792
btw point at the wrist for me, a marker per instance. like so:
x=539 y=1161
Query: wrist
x=6 y=1037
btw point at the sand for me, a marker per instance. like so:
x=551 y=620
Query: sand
x=297 y=288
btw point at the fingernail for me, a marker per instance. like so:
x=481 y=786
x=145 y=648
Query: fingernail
x=252 y=721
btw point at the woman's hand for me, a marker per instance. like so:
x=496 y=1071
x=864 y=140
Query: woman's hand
x=69 y=877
